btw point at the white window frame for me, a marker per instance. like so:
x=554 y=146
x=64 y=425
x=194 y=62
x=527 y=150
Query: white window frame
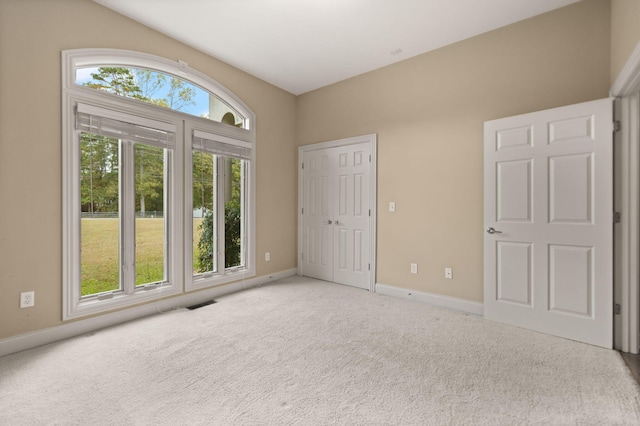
x=223 y=274
x=179 y=273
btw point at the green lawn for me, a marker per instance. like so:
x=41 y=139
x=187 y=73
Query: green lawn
x=100 y=257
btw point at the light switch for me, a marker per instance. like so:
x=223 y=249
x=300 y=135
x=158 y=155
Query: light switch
x=392 y=206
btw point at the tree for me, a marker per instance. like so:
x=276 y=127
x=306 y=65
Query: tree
x=180 y=94
x=232 y=234
x=203 y=176
x=233 y=216
x=206 y=243
x=150 y=82
x=117 y=80
x=232 y=243
x=232 y=226
x=146 y=86
x=149 y=166
x=98 y=173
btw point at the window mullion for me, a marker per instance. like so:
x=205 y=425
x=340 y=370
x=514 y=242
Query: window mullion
x=168 y=211
x=220 y=211
x=127 y=217
x=75 y=231
x=243 y=206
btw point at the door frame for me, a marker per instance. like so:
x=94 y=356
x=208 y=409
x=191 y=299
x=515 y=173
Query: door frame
x=372 y=140
x=626 y=87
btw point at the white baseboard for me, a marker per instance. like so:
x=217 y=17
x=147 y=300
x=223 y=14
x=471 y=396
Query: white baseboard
x=453 y=303
x=53 y=334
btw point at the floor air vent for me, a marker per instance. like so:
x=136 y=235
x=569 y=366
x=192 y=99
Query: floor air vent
x=200 y=305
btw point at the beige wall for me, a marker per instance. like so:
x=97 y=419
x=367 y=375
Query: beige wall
x=428 y=113
x=625 y=32
x=32 y=34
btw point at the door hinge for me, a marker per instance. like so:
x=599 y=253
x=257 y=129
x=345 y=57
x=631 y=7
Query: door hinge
x=302 y=165
x=369 y=158
x=617 y=308
x=302 y=256
x=369 y=266
x=302 y=210
x=617 y=217
x=369 y=212
x=617 y=126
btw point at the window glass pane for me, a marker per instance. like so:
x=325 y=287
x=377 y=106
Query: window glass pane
x=204 y=213
x=234 y=212
x=161 y=89
x=150 y=193
x=100 y=217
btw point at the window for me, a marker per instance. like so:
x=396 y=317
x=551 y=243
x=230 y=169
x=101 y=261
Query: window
x=219 y=175
x=124 y=168
x=159 y=88
x=158 y=167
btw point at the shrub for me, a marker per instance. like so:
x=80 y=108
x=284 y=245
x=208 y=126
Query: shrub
x=232 y=239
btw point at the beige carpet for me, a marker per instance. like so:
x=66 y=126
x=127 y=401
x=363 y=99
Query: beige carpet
x=305 y=352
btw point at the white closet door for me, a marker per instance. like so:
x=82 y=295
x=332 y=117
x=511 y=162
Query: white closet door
x=317 y=221
x=352 y=215
x=336 y=213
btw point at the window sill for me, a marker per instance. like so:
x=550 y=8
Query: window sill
x=199 y=282
x=99 y=305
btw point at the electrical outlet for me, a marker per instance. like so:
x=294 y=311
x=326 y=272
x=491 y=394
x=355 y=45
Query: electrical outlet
x=414 y=268
x=267 y=256
x=448 y=273
x=27 y=299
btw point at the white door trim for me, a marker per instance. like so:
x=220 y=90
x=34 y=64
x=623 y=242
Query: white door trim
x=628 y=81
x=372 y=139
x=627 y=203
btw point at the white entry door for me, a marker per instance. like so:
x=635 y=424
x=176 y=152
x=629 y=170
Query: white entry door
x=336 y=214
x=548 y=215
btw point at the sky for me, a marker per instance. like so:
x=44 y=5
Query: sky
x=201 y=98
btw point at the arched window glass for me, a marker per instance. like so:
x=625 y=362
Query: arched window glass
x=159 y=88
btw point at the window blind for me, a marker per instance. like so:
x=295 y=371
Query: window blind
x=221 y=145
x=119 y=125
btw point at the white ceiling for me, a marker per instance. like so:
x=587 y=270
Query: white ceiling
x=302 y=45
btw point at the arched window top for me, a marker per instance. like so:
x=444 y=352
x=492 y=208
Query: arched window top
x=154 y=80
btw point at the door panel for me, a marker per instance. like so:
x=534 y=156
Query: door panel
x=514 y=182
x=570 y=189
x=548 y=194
x=570 y=279
x=514 y=273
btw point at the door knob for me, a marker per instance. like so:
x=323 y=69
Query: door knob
x=490 y=230
x=329 y=222
x=338 y=222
